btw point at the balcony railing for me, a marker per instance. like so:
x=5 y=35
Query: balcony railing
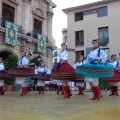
x=2 y=24
x=35 y=34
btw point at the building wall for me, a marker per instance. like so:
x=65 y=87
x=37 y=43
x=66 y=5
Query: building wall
x=64 y=35
x=90 y=25
x=25 y=12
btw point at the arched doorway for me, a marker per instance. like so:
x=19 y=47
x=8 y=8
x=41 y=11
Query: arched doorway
x=5 y=54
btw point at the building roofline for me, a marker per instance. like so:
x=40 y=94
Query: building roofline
x=53 y=5
x=87 y=6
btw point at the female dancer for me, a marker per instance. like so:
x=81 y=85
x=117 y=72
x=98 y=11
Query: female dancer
x=42 y=75
x=114 y=81
x=95 y=68
x=21 y=72
x=80 y=83
x=64 y=71
x=1 y=80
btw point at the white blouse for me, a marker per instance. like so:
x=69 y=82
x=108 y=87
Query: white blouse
x=94 y=55
x=63 y=55
x=23 y=61
x=114 y=63
x=42 y=69
x=78 y=64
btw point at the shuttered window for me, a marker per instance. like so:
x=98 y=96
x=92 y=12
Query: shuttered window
x=37 y=26
x=8 y=12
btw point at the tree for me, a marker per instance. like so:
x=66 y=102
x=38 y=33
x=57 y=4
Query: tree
x=12 y=62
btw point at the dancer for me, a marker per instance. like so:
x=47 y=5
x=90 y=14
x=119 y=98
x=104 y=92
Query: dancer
x=95 y=67
x=80 y=81
x=21 y=72
x=114 y=81
x=3 y=76
x=64 y=71
x=42 y=75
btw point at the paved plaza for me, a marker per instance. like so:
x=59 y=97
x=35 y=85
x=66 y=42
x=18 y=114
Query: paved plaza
x=50 y=106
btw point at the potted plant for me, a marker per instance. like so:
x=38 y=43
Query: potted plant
x=12 y=62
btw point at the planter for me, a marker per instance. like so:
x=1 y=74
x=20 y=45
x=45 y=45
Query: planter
x=8 y=88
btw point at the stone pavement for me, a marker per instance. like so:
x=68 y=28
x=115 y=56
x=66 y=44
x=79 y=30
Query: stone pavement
x=50 y=106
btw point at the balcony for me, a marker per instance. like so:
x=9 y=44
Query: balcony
x=35 y=34
x=2 y=24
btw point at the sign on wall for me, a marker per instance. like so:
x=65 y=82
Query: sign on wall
x=41 y=43
x=11 y=33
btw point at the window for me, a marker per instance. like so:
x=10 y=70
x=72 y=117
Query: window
x=79 y=38
x=78 y=16
x=102 y=11
x=8 y=12
x=37 y=26
x=103 y=35
x=78 y=53
x=87 y=12
x=55 y=53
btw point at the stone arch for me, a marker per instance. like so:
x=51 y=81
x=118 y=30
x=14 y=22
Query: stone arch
x=38 y=11
x=5 y=53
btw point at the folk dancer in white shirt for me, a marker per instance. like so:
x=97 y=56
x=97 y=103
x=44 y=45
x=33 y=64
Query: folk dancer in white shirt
x=114 y=80
x=43 y=75
x=64 y=71
x=1 y=80
x=80 y=81
x=22 y=72
x=95 y=67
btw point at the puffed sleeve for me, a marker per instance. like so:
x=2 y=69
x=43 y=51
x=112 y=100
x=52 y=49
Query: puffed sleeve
x=103 y=56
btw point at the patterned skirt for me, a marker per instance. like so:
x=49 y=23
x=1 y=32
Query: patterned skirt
x=43 y=77
x=99 y=70
x=21 y=72
x=4 y=75
x=115 y=78
x=64 y=72
x=79 y=79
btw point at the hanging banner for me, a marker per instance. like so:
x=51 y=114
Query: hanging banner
x=11 y=33
x=41 y=43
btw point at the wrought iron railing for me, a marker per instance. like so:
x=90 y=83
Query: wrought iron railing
x=2 y=24
x=35 y=35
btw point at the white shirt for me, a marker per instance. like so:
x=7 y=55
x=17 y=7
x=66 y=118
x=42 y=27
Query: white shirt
x=1 y=66
x=42 y=69
x=114 y=63
x=94 y=55
x=78 y=64
x=63 y=55
x=23 y=61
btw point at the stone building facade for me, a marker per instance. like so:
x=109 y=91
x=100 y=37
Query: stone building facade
x=31 y=17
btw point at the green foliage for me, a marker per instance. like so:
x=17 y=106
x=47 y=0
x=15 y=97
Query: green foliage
x=12 y=62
